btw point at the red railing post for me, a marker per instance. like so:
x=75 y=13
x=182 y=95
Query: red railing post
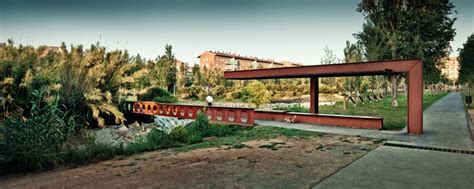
x=250 y=120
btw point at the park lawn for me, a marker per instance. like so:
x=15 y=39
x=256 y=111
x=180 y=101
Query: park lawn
x=393 y=118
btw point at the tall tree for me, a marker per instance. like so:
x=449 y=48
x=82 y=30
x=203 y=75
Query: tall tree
x=182 y=75
x=196 y=75
x=466 y=60
x=402 y=29
x=352 y=53
x=329 y=57
x=166 y=69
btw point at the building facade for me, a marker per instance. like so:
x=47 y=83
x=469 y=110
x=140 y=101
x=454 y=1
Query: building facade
x=232 y=61
x=450 y=68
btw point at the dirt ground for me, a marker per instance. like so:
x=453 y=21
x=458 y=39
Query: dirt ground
x=275 y=163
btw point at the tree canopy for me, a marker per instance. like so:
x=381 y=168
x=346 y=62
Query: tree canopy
x=466 y=61
x=403 y=29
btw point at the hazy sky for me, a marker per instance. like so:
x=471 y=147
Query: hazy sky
x=295 y=30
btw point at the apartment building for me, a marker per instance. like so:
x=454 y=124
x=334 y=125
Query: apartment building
x=450 y=68
x=232 y=61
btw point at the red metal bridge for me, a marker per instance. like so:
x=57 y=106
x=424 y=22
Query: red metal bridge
x=216 y=114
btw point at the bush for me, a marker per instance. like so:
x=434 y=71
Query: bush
x=201 y=125
x=34 y=143
x=223 y=130
x=258 y=94
x=179 y=134
x=197 y=92
x=159 y=139
x=293 y=108
x=193 y=137
x=157 y=94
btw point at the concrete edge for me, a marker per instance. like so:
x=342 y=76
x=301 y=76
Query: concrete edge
x=423 y=147
x=470 y=125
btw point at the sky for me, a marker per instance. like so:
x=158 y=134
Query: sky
x=293 y=30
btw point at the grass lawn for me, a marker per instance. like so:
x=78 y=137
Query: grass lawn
x=393 y=118
x=257 y=132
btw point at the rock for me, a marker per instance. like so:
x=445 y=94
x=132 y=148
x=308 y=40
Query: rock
x=149 y=125
x=123 y=128
x=134 y=125
x=104 y=136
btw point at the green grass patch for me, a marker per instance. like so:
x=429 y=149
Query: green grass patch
x=394 y=118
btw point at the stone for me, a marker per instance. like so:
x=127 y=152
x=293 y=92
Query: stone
x=104 y=136
x=123 y=128
x=134 y=125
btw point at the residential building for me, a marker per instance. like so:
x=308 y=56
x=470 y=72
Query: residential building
x=49 y=49
x=450 y=68
x=189 y=69
x=232 y=61
x=2 y=44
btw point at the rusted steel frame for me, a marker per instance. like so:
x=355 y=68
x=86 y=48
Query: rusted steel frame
x=314 y=95
x=330 y=70
x=363 y=122
x=414 y=68
x=415 y=99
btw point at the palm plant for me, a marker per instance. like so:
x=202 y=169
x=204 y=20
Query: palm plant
x=95 y=81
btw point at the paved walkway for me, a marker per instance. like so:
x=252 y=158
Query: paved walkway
x=445 y=126
x=392 y=167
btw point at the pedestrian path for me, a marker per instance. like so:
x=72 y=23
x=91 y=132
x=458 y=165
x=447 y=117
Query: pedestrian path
x=393 y=167
x=445 y=126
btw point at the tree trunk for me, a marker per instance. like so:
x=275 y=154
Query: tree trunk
x=355 y=99
x=345 y=103
x=393 y=79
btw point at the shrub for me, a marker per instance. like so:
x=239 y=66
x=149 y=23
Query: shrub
x=197 y=92
x=258 y=94
x=159 y=139
x=223 y=130
x=201 y=125
x=293 y=108
x=179 y=134
x=193 y=137
x=34 y=143
x=157 y=94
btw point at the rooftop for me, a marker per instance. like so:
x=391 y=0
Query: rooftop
x=245 y=57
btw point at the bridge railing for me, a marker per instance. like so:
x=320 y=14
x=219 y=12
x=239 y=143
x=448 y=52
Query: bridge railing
x=216 y=114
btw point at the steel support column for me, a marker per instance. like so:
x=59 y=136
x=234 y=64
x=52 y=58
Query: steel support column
x=314 y=95
x=415 y=99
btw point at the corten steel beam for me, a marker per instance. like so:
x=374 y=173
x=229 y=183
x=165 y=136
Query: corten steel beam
x=415 y=99
x=314 y=95
x=360 y=122
x=413 y=67
x=329 y=70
